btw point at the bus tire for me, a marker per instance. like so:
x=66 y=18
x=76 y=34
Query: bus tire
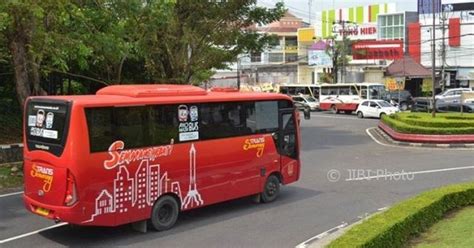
x=334 y=109
x=271 y=189
x=164 y=213
x=360 y=115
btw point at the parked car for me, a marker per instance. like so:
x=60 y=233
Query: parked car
x=312 y=102
x=455 y=107
x=421 y=104
x=406 y=100
x=451 y=95
x=375 y=108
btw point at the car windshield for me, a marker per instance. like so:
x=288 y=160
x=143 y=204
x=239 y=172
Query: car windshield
x=385 y=104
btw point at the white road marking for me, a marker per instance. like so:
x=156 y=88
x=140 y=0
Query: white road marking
x=412 y=173
x=414 y=147
x=319 y=236
x=10 y=194
x=31 y=233
x=335 y=117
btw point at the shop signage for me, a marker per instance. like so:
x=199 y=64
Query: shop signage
x=385 y=49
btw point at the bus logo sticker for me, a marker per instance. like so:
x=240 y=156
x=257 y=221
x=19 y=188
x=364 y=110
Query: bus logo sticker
x=183 y=113
x=193 y=113
x=49 y=120
x=142 y=189
x=255 y=143
x=193 y=198
x=120 y=156
x=43 y=173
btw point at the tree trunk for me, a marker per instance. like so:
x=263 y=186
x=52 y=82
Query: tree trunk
x=36 y=79
x=19 y=57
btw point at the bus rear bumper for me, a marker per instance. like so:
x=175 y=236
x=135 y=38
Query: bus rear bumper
x=53 y=212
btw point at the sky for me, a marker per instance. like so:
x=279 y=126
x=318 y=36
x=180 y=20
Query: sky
x=300 y=7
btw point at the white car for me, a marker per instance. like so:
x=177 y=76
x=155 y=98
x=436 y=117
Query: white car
x=451 y=95
x=375 y=108
x=312 y=102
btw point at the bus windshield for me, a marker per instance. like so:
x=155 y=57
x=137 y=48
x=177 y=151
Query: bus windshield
x=46 y=125
x=376 y=92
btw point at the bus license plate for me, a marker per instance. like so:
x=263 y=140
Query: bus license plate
x=42 y=211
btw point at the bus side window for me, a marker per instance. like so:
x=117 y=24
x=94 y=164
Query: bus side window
x=99 y=123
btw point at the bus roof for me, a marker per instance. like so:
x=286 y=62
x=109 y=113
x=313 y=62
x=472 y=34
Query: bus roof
x=301 y=85
x=349 y=84
x=122 y=95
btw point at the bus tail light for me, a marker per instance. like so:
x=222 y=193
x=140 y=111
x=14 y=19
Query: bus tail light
x=71 y=192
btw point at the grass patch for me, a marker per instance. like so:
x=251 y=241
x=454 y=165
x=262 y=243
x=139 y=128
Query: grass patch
x=423 y=123
x=455 y=230
x=11 y=175
x=394 y=227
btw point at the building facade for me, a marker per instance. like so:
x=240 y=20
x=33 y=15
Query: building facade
x=454 y=42
x=358 y=24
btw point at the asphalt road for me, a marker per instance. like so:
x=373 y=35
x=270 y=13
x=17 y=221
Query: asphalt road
x=334 y=144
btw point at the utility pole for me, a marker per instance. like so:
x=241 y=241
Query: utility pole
x=433 y=62
x=343 y=69
x=310 y=6
x=343 y=50
x=443 y=49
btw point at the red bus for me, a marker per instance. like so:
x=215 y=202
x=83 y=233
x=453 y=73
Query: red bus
x=133 y=153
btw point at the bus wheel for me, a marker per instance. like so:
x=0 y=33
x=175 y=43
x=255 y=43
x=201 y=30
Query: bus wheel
x=334 y=109
x=164 y=213
x=271 y=189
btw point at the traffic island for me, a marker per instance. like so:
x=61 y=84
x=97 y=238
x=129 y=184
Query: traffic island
x=407 y=219
x=454 y=230
x=446 y=128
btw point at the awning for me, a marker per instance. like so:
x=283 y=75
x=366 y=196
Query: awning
x=407 y=67
x=465 y=74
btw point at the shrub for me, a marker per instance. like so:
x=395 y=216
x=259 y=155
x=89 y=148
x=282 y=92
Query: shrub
x=395 y=226
x=422 y=123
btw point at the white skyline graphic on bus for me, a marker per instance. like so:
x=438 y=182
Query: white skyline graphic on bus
x=142 y=190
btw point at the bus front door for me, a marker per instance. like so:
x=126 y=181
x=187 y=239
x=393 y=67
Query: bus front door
x=288 y=146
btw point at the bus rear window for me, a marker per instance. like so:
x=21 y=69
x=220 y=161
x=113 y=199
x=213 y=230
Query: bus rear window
x=46 y=123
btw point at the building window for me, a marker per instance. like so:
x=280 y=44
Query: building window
x=291 y=57
x=275 y=57
x=256 y=57
x=391 y=27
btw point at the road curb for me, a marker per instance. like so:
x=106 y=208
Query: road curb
x=389 y=140
x=427 y=138
x=10 y=146
x=11 y=153
x=323 y=239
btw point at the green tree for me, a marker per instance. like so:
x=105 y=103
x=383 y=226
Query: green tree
x=204 y=35
x=339 y=51
x=112 y=41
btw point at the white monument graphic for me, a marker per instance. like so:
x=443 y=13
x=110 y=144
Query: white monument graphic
x=193 y=198
x=144 y=188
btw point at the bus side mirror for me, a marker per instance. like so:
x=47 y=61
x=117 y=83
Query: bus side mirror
x=307 y=113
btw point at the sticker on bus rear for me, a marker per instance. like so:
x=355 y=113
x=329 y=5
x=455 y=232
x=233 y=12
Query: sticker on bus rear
x=31 y=120
x=188 y=136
